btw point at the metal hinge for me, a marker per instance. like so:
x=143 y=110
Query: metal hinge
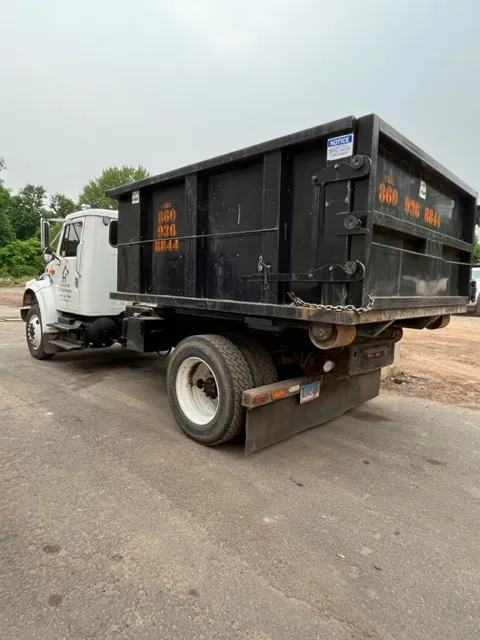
x=358 y=167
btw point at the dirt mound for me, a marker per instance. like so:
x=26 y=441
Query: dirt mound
x=441 y=365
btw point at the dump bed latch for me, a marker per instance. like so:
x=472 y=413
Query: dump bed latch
x=351 y=271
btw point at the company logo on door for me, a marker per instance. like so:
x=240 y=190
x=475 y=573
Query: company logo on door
x=64 y=288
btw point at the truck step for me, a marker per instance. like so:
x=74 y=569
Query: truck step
x=67 y=345
x=65 y=326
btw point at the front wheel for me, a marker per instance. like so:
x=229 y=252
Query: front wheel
x=206 y=378
x=35 y=336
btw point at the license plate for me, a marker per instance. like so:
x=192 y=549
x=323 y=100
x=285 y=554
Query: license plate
x=309 y=392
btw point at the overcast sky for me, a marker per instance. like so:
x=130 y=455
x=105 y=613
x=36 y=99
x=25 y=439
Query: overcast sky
x=88 y=84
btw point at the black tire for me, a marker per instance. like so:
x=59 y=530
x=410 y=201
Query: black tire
x=233 y=377
x=260 y=361
x=477 y=309
x=39 y=352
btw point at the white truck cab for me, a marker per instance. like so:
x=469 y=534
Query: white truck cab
x=74 y=291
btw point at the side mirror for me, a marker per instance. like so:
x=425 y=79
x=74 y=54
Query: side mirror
x=44 y=234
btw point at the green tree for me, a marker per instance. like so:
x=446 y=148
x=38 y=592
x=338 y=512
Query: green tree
x=21 y=258
x=93 y=193
x=3 y=166
x=28 y=206
x=61 y=205
x=476 y=255
x=6 y=229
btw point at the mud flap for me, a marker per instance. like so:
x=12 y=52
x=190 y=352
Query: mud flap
x=279 y=420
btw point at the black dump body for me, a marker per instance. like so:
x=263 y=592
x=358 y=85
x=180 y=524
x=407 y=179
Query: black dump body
x=340 y=214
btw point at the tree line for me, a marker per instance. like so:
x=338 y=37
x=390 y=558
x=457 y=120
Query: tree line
x=21 y=211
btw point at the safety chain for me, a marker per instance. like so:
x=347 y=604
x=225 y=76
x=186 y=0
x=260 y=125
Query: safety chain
x=298 y=302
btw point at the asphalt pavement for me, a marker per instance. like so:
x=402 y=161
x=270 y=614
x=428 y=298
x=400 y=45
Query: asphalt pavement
x=115 y=525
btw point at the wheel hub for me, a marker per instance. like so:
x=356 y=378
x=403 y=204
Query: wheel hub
x=197 y=391
x=209 y=387
x=34 y=332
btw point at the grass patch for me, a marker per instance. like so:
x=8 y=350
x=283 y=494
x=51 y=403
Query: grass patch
x=14 y=282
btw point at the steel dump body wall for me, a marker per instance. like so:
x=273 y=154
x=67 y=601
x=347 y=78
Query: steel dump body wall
x=238 y=233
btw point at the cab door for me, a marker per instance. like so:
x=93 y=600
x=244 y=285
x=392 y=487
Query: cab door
x=66 y=279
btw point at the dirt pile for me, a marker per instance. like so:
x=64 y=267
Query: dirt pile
x=442 y=365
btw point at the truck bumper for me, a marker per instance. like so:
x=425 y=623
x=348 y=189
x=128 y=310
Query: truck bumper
x=277 y=421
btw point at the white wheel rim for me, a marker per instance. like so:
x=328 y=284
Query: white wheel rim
x=192 y=395
x=35 y=331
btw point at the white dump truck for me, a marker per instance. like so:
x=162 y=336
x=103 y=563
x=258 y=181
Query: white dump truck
x=281 y=276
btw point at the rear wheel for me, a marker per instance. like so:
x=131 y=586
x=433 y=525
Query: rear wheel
x=260 y=361
x=35 y=336
x=206 y=378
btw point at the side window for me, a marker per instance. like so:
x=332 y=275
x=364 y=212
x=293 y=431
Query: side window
x=113 y=233
x=71 y=240
x=64 y=241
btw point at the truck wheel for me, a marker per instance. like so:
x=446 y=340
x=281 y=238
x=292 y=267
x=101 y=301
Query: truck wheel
x=206 y=378
x=477 y=309
x=34 y=334
x=260 y=361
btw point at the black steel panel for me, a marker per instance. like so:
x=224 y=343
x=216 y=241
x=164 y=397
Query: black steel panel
x=235 y=206
x=304 y=226
x=194 y=195
x=285 y=216
x=128 y=257
x=367 y=135
x=168 y=221
x=406 y=192
x=275 y=177
x=422 y=229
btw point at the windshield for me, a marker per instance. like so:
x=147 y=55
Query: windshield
x=476 y=273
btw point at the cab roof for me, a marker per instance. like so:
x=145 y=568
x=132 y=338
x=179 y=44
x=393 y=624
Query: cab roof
x=100 y=213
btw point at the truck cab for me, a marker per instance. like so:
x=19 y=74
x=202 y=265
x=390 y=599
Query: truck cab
x=73 y=293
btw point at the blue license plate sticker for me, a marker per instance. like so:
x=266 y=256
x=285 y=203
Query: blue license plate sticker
x=309 y=392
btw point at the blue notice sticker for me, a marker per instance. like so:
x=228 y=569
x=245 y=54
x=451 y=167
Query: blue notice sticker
x=340 y=147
